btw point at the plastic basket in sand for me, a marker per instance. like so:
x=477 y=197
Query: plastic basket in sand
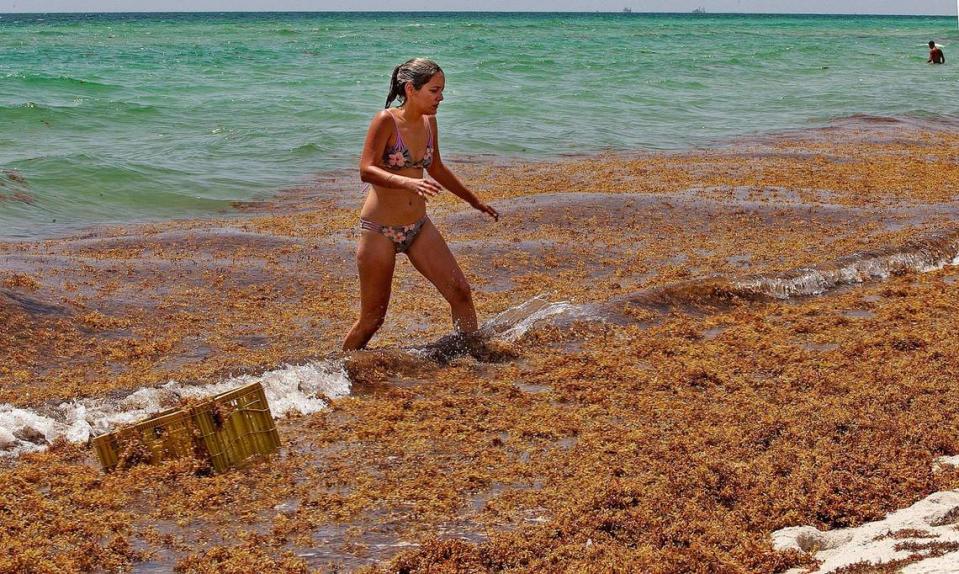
x=166 y=436
x=228 y=430
x=236 y=426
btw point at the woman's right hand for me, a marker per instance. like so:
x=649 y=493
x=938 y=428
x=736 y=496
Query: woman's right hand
x=423 y=188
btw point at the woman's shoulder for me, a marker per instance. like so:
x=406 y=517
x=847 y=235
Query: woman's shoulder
x=382 y=120
x=383 y=114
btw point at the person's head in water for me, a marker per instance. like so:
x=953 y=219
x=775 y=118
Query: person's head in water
x=410 y=77
x=932 y=44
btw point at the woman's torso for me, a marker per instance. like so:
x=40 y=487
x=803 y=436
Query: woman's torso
x=408 y=151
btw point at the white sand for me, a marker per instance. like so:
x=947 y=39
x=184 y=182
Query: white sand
x=935 y=517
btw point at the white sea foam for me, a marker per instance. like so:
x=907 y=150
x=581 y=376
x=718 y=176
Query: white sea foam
x=924 y=257
x=296 y=389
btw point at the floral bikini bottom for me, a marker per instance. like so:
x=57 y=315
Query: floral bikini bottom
x=402 y=236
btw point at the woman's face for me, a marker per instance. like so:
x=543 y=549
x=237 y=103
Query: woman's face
x=429 y=96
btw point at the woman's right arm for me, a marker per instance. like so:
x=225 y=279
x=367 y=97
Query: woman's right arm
x=372 y=173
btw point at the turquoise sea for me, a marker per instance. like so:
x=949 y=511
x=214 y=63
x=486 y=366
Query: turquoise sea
x=128 y=117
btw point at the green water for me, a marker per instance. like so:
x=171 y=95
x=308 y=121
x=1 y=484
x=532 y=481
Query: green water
x=115 y=118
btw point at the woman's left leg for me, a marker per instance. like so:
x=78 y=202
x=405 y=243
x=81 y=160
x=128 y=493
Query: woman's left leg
x=430 y=255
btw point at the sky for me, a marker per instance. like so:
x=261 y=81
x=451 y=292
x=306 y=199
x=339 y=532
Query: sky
x=944 y=7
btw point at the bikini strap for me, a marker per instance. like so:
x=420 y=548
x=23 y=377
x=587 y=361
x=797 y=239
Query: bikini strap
x=429 y=130
x=396 y=126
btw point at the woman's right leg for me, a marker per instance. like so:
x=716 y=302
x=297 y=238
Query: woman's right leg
x=375 y=259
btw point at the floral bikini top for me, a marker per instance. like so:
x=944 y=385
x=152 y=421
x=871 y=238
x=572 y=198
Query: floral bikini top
x=398 y=156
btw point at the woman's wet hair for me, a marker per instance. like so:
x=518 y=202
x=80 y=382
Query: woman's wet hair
x=417 y=72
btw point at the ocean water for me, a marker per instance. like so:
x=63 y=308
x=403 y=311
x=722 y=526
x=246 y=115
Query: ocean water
x=125 y=117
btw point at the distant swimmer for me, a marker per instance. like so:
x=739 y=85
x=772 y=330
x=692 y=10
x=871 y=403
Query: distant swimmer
x=393 y=219
x=935 y=54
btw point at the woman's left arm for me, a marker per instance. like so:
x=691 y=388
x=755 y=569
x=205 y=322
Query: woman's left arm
x=448 y=179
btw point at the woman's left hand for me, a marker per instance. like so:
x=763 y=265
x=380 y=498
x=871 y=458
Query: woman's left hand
x=488 y=210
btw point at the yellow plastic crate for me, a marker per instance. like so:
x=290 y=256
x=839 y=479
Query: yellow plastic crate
x=166 y=436
x=228 y=430
x=236 y=426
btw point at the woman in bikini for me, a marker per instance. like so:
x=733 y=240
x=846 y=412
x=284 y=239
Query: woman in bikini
x=393 y=219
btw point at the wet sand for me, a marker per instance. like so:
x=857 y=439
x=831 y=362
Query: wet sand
x=710 y=391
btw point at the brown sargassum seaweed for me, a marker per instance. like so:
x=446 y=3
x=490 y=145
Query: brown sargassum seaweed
x=671 y=439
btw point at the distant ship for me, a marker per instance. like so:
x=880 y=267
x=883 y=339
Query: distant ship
x=699 y=10
x=627 y=10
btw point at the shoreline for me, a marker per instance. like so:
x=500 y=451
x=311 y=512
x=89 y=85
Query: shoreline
x=342 y=180
x=467 y=12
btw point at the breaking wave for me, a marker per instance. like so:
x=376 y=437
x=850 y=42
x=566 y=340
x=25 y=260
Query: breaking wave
x=920 y=255
x=917 y=255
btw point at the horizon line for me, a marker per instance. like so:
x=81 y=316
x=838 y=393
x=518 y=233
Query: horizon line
x=630 y=13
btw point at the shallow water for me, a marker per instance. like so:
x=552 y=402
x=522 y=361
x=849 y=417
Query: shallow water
x=127 y=117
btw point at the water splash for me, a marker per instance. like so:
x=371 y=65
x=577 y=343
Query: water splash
x=507 y=327
x=513 y=323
